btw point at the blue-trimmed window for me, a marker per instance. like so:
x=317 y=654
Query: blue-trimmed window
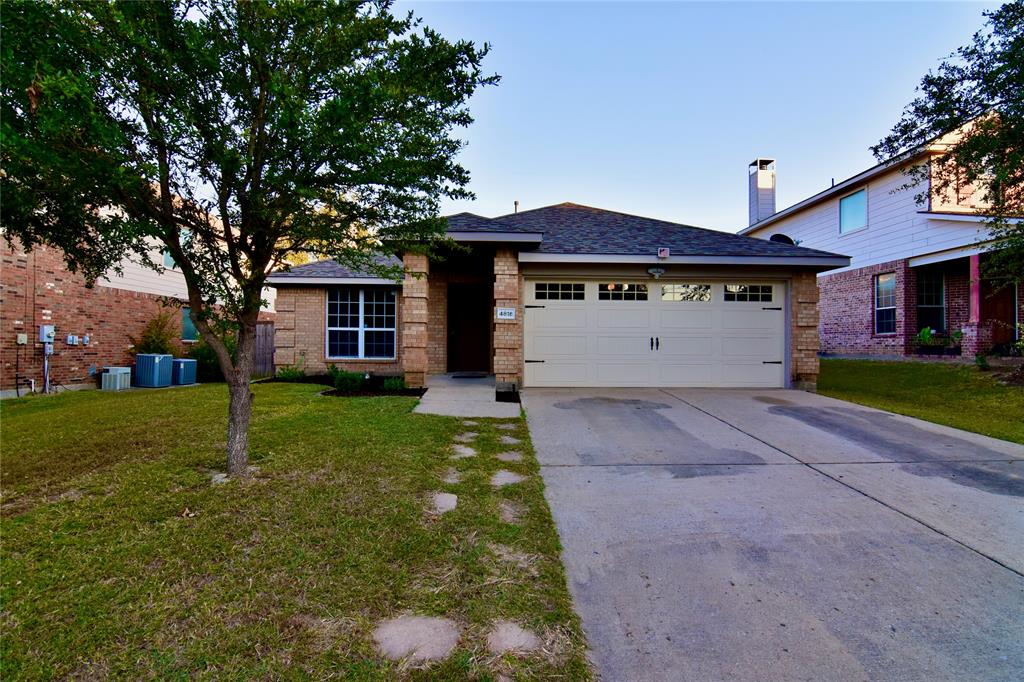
x=188 y=330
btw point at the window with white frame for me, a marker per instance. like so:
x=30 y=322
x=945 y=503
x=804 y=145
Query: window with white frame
x=885 y=303
x=361 y=322
x=853 y=211
x=748 y=292
x=931 y=301
x=559 y=291
x=694 y=293
x=621 y=291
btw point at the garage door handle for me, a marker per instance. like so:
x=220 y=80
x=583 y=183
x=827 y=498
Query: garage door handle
x=657 y=343
x=534 y=306
x=779 y=308
x=771 y=362
x=529 y=361
x=652 y=343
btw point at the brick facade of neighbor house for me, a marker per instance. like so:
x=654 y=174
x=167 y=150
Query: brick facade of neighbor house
x=508 y=334
x=804 y=340
x=35 y=289
x=847 y=310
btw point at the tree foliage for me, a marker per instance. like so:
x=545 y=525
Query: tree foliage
x=236 y=135
x=973 y=105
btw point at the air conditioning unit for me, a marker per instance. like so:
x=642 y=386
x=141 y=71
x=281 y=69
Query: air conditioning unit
x=116 y=378
x=153 y=370
x=184 y=372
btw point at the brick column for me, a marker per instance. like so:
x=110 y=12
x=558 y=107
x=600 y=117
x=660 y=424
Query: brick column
x=977 y=334
x=803 y=331
x=414 y=319
x=508 y=334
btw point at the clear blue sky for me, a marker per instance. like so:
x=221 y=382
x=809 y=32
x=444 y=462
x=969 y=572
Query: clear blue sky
x=657 y=108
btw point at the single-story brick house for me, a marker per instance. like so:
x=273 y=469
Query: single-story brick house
x=568 y=295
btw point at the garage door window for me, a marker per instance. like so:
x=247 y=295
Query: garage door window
x=558 y=291
x=621 y=291
x=749 y=292
x=699 y=293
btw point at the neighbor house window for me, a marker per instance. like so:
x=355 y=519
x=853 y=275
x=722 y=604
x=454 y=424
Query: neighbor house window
x=931 y=301
x=686 y=292
x=361 y=322
x=853 y=212
x=188 y=330
x=749 y=292
x=885 y=304
x=558 y=291
x=621 y=291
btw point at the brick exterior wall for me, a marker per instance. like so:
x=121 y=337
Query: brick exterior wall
x=36 y=288
x=437 y=323
x=508 y=334
x=847 y=310
x=415 y=320
x=803 y=333
x=300 y=334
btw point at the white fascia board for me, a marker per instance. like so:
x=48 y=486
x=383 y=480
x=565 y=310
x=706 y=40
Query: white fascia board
x=948 y=254
x=834 y=261
x=281 y=281
x=963 y=217
x=474 y=236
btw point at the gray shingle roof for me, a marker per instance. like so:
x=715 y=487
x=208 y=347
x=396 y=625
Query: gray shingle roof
x=574 y=229
x=327 y=269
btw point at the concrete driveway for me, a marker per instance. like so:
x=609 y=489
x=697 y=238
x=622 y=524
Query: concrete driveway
x=770 y=534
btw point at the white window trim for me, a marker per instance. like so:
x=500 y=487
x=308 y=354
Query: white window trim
x=839 y=208
x=875 y=307
x=360 y=331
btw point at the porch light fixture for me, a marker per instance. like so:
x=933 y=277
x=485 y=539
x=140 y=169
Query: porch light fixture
x=656 y=273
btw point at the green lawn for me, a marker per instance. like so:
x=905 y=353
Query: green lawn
x=120 y=558
x=955 y=395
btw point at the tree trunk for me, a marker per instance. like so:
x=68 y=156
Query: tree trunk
x=240 y=402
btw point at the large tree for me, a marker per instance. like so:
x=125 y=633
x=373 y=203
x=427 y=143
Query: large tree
x=233 y=134
x=974 y=102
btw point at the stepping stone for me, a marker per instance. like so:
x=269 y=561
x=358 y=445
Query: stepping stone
x=507 y=636
x=463 y=451
x=511 y=456
x=523 y=562
x=510 y=512
x=509 y=440
x=444 y=502
x=508 y=427
x=468 y=422
x=219 y=478
x=466 y=437
x=452 y=477
x=416 y=638
x=503 y=478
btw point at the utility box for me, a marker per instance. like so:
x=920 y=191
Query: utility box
x=153 y=370
x=46 y=333
x=116 y=378
x=184 y=372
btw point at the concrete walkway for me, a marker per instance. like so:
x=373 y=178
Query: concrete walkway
x=455 y=397
x=752 y=535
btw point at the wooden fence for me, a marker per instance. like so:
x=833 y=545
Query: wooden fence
x=264 y=365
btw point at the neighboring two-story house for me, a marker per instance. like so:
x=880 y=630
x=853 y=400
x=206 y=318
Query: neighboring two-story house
x=911 y=265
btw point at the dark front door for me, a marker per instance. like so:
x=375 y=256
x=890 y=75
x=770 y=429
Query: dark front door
x=469 y=327
x=998 y=307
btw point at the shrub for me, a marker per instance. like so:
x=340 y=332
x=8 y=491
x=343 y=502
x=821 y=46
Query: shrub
x=346 y=382
x=160 y=335
x=394 y=384
x=296 y=372
x=982 y=362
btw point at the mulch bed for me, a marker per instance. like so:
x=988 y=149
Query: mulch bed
x=334 y=393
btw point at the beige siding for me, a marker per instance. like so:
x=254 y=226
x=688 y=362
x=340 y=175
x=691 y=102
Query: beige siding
x=896 y=227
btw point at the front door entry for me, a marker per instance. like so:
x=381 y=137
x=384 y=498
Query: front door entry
x=469 y=327
x=998 y=307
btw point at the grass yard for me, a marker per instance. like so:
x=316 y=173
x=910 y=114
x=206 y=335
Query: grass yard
x=120 y=558
x=954 y=395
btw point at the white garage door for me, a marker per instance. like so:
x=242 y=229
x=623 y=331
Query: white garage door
x=654 y=333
